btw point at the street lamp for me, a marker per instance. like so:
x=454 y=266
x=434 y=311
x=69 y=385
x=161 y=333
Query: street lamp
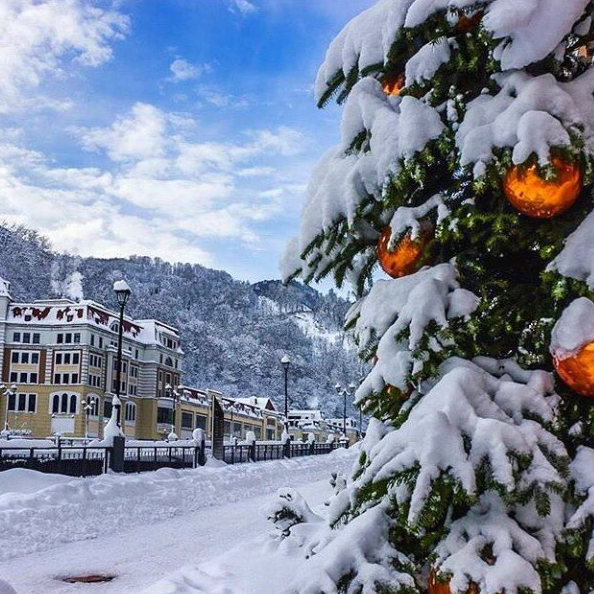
x=344 y=392
x=87 y=406
x=174 y=395
x=123 y=292
x=7 y=393
x=285 y=363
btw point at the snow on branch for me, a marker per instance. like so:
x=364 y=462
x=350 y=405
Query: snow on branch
x=410 y=304
x=359 y=555
x=492 y=550
x=469 y=421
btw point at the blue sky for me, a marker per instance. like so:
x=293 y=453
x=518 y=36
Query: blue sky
x=183 y=129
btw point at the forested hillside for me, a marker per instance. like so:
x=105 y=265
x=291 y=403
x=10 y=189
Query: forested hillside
x=234 y=333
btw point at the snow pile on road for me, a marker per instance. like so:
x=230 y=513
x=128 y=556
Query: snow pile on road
x=37 y=515
x=20 y=480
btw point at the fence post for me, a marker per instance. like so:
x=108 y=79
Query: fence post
x=59 y=455
x=117 y=454
x=202 y=452
x=287 y=448
x=312 y=448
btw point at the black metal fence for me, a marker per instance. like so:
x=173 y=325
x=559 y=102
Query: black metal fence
x=92 y=461
x=82 y=460
x=236 y=454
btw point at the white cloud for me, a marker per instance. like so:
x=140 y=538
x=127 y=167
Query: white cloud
x=214 y=96
x=182 y=70
x=242 y=7
x=38 y=40
x=164 y=190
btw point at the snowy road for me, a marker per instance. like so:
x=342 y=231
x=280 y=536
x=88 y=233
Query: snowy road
x=141 y=529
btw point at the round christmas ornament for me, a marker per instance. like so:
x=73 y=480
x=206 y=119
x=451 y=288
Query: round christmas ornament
x=538 y=198
x=393 y=84
x=406 y=256
x=578 y=371
x=466 y=23
x=436 y=587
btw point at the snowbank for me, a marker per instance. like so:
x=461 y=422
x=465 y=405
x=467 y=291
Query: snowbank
x=43 y=515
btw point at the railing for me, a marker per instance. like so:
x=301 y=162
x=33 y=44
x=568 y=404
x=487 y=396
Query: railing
x=235 y=454
x=84 y=460
x=95 y=460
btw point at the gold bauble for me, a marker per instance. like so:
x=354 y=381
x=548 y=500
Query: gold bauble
x=406 y=257
x=538 y=198
x=577 y=371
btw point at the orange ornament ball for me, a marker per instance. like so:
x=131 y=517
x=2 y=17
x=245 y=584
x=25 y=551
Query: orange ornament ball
x=577 y=371
x=406 y=257
x=392 y=84
x=466 y=23
x=541 y=199
x=437 y=587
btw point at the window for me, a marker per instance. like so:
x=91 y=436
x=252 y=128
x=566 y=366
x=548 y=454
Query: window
x=227 y=429
x=114 y=386
x=36 y=338
x=132 y=390
x=60 y=339
x=107 y=408
x=187 y=422
x=26 y=337
x=100 y=342
x=77 y=337
x=95 y=361
x=64 y=403
x=169 y=362
x=136 y=353
x=130 y=412
x=25 y=357
x=163 y=415
x=16 y=337
x=95 y=381
x=23 y=377
x=65 y=378
x=92 y=340
x=26 y=403
x=200 y=422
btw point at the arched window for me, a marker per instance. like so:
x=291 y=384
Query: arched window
x=115 y=327
x=64 y=403
x=169 y=362
x=130 y=412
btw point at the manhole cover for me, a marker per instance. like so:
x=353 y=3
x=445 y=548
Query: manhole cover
x=88 y=579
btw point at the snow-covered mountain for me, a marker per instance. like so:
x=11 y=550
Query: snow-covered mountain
x=234 y=333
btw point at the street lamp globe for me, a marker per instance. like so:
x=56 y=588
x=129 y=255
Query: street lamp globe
x=338 y=388
x=122 y=291
x=285 y=361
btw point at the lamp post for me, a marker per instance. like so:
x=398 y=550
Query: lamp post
x=7 y=393
x=344 y=392
x=285 y=363
x=123 y=292
x=172 y=393
x=87 y=406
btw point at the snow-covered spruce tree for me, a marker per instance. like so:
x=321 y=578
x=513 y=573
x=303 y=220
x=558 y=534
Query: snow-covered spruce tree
x=465 y=168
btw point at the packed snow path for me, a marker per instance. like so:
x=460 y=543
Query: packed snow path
x=142 y=527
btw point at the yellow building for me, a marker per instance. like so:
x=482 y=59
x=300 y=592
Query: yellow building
x=60 y=355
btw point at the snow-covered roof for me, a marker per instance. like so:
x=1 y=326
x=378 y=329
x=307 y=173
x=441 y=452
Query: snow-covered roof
x=259 y=402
